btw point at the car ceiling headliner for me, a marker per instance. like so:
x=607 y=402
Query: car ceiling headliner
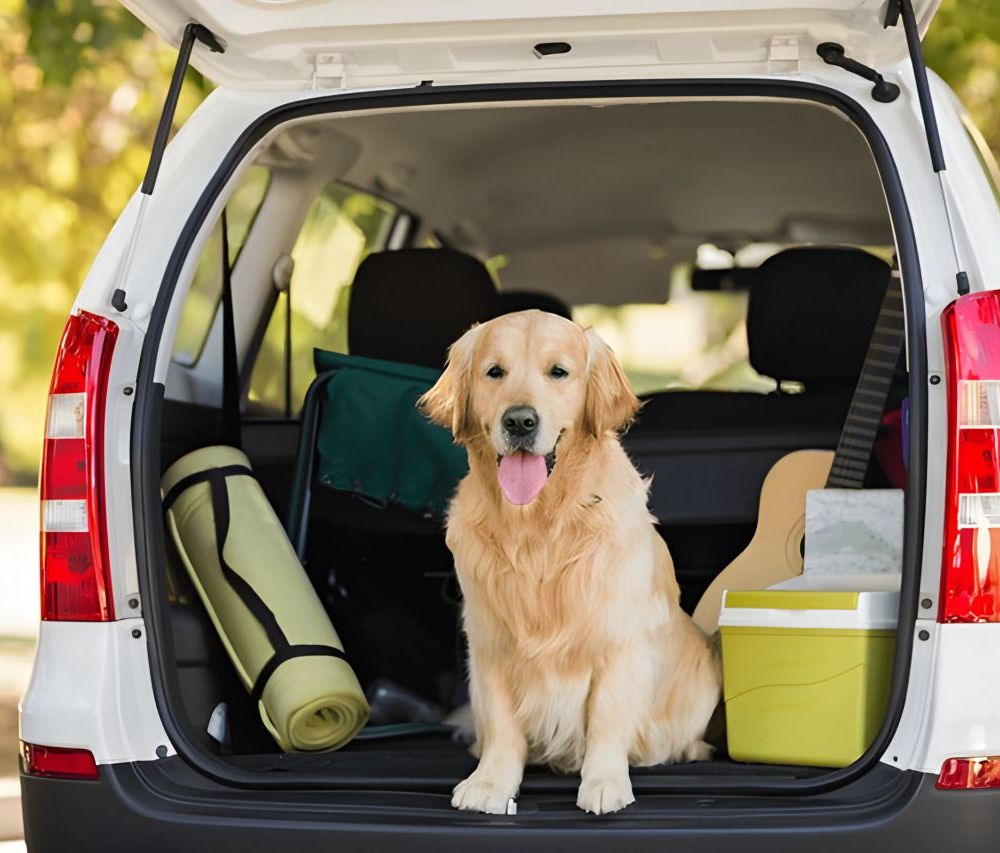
x=623 y=190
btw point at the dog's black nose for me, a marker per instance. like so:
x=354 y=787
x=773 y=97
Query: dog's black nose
x=520 y=421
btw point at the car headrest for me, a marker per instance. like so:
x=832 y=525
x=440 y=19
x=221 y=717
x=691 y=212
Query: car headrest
x=812 y=312
x=523 y=300
x=410 y=305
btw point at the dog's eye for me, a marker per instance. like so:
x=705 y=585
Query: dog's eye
x=496 y=372
x=557 y=372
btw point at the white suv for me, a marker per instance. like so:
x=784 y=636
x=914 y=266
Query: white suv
x=587 y=149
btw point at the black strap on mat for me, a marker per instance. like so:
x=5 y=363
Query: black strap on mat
x=864 y=418
x=185 y=483
x=287 y=653
x=283 y=649
x=230 y=358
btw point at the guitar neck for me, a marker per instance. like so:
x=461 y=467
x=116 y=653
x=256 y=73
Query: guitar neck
x=864 y=417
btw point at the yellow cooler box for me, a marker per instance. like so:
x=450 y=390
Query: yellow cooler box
x=806 y=668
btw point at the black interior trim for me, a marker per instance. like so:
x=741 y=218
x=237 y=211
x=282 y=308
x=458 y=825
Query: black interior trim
x=149 y=532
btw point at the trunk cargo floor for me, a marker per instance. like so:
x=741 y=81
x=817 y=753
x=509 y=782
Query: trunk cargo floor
x=434 y=762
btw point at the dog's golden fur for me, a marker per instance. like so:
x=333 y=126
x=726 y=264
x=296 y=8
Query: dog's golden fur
x=579 y=654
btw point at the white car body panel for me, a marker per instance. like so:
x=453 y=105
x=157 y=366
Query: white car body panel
x=960 y=718
x=90 y=688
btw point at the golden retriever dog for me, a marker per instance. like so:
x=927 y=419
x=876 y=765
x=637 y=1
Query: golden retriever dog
x=579 y=654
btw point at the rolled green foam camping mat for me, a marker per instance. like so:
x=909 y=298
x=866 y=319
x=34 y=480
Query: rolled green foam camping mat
x=261 y=602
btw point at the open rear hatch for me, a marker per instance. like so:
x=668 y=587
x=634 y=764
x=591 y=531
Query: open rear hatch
x=300 y=43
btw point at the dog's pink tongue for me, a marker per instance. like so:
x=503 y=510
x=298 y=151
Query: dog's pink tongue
x=522 y=477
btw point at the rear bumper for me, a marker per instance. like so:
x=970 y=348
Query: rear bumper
x=166 y=806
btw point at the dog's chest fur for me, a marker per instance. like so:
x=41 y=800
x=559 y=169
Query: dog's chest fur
x=545 y=609
x=557 y=593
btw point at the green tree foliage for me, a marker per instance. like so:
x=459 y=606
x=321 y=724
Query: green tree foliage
x=81 y=85
x=963 y=46
x=65 y=36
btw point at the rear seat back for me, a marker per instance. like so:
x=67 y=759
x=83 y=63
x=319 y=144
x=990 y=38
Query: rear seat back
x=409 y=305
x=810 y=317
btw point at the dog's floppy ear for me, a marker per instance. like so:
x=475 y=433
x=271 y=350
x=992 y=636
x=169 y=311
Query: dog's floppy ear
x=447 y=403
x=611 y=403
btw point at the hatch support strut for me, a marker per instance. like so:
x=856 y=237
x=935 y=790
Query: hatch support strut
x=904 y=9
x=192 y=32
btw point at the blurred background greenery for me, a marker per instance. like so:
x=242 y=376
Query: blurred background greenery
x=81 y=84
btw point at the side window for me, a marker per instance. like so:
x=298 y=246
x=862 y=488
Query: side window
x=202 y=299
x=341 y=228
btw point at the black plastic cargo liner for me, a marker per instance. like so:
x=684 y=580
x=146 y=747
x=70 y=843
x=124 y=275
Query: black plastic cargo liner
x=436 y=763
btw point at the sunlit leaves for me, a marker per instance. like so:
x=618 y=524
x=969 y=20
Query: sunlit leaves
x=963 y=46
x=68 y=35
x=81 y=86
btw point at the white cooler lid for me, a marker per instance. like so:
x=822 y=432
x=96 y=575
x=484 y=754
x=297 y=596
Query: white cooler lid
x=816 y=601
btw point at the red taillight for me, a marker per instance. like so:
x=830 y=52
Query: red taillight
x=76 y=584
x=965 y=773
x=970 y=570
x=58 y=762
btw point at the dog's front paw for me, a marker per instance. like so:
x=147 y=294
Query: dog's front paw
x=605 y=795
x=477 y=794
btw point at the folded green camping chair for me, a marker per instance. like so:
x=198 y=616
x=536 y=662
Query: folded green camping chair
x=261 y=602
x=362 y=434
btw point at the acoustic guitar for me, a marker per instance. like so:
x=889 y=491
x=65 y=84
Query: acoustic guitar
x=775 y=552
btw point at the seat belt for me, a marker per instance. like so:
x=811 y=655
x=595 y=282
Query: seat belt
x=230 y=358
x=864 y=417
